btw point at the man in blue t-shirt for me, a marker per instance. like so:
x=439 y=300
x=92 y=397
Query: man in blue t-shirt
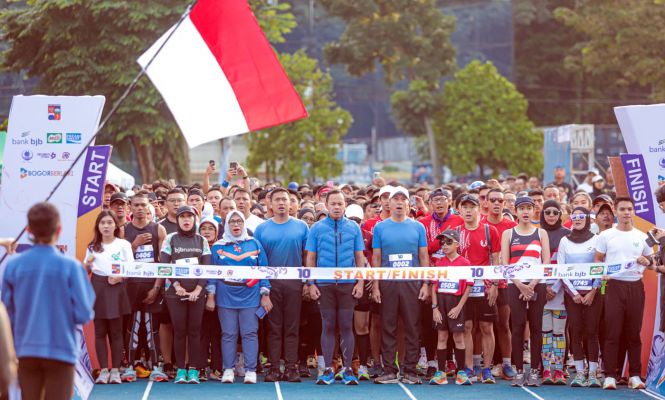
x=283 y=238
x=400 y=242
x=336 y=242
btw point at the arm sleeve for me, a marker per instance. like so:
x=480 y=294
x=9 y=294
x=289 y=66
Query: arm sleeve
x=82 y=295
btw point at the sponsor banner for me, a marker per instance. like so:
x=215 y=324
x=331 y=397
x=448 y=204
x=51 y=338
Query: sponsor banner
x=517 y=271
x=644 y=171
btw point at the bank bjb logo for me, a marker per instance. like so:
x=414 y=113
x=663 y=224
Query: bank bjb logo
x=73 y=138
x=54 y=112
x=164 y=271
x=26 y=155
x=54 y=138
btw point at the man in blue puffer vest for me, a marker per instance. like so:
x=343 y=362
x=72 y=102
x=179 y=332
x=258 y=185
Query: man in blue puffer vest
x=336 y=242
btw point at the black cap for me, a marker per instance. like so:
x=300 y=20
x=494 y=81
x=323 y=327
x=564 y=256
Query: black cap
x=185 y=210
x=524 y=200
x=196 y=192
x=602 y=198
x=606 y=207
x=119 y=196
x=469 y=198
x=450 y=234
x=440 y=192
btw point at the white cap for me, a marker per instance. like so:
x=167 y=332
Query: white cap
x=211 y=221
x=597 y=178
x=386 y=189
x=399 y=189
x=354 y=210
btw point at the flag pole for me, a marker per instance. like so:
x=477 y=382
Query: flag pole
x=108 y=116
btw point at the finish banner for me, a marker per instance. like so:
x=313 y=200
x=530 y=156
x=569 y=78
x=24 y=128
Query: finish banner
x=572 y=272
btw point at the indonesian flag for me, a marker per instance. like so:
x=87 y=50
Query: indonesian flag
x=219 y=75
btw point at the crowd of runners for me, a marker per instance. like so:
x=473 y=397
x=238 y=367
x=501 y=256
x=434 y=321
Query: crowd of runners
x=531 y=332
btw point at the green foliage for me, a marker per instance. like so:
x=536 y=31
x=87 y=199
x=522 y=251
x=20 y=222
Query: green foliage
x=622 y=40
x=412 y=106
x=310 y=143
x=484 y=124
x=81 y=47
x=275 y=20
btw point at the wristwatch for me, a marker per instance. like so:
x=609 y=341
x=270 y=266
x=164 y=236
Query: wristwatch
x=434 y=306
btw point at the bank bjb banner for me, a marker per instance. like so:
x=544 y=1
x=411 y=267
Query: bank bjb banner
x=644 y=169
x=45 y=135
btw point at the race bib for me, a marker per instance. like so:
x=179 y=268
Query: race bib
x=400 y=260
x=450 y=287
x=188 y=261
x=582 y=284
x=145 y=253
x=478 y=288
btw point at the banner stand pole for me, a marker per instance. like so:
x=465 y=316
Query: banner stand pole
x=108 y=116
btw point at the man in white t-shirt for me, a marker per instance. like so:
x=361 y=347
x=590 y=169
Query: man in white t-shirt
x=624 y=295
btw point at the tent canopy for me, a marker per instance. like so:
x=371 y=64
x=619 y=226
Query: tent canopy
x=119 y=177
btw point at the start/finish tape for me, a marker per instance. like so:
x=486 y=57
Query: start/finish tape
x=515 y=271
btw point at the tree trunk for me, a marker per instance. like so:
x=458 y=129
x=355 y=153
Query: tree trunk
x=144 y=159
x=433 y=153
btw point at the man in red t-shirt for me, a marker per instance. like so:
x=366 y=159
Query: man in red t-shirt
x=384 y=199
x=495 y=218
x=481 y=245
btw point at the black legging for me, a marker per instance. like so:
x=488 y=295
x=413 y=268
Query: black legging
x=343 y=318
x=113 y=329
x=186 y=317
x=519 y=314
x=584 y=322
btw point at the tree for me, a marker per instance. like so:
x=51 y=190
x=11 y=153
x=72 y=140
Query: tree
x=411 y=41
x=310 y=143
x=90 y=47
x=621 y=40
x=484 y=124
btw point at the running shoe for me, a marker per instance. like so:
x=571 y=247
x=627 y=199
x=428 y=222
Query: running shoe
x=169 y=370
x=181 y=376
x=386 y=378
x=533 y=379
x=422 y=363
x=326 y=378
x=348 y=378
x=476 y=374
x=142 y=372
x=340 y=374
x=439 y=378
x=462 y=378
x=508 y=372
x=559 y=378
x=216 y=375
x=547 y=377
x=250 y=377
x=157 y=375
x=496 y=370
x=610 y=384
x=104 y=376
x=273 y=375
x=375 y=371
x=363 y=374
x=580 y=380
x=593 y=381
x=411 y=379
x=451 y=368
x=129 y=375
x=229 y=376
x=520 y=380
x=203 y=375
x=292 y=375
x=487 y=376
x=193 y=376
x=635 y=383
x=115 y=376
x=429 y=374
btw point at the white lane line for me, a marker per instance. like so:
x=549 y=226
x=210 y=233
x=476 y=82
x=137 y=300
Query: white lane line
x=655 y=396
x=146 y=393
x=407 y=391
x=532 y=393
x=279 y=391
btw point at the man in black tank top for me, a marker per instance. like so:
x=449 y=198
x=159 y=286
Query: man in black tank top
x=174 y=199
x=146 y=238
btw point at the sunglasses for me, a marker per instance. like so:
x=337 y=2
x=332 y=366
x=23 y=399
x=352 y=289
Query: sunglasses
x=497 y=200
x=552 y=212
x=482 y=197
x=447 y=242
x=578 y=217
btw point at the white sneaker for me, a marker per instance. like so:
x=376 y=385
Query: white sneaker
x=103 y=377
x=635 y=383
x=115 y=376
x=610 y=384
x=229 y=376
x=250 y=377
x=496 y=370
x=422 y=362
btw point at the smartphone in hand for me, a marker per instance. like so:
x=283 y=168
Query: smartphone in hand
x=260 y=312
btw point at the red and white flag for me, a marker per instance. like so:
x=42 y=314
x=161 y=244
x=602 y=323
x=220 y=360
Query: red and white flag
x=219 y=74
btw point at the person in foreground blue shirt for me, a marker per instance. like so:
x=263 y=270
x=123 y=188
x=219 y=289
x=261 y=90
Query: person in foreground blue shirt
x=238 y=299
x=47 y=295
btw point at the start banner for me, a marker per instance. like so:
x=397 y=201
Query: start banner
x=516 y=271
